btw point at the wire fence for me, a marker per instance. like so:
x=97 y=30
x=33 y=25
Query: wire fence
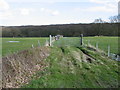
x=80 y=41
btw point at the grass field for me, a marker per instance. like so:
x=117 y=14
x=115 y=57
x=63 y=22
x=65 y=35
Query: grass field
x=103 y=42
x=24 y=43
x=67 y=67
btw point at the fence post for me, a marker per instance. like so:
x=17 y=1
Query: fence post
x=108 y=50
x=47 y=43
x=81 y=39
x=117 y=58
x=50 y=40
x=38 y=43
x=88 y=42
x=97 y=45
x=32 y=46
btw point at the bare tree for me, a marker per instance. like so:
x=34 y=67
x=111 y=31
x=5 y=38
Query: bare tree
x=114 y=19
x=99 y=21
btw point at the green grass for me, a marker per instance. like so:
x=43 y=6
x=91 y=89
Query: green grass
x=103 y=42
x=68 y=41
x=65 y=70
x=25 y=43
x=67 y=66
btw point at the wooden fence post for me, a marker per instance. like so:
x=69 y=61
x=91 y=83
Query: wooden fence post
x=38 y=43
x=97 y=45
x=108 y=51
x=32 y=46
x=88 y=42
x=81 y=39
x=117 y=58
x=50 y=41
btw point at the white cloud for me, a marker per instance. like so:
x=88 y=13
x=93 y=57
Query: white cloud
x=42 y=9
x=101 y=6
x=54 y=1
x=106 y=7
x=111 y=5
x=24 y=11
x=5 y=15
x=5 y=12
x=97 y=1
x=100 y=9
x=4 y=5
x=49 y=11
x=47 y=1
x=102 y=1
x=55 y=13
x=97 y=9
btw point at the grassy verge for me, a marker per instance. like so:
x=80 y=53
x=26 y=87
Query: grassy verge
x=69 y=67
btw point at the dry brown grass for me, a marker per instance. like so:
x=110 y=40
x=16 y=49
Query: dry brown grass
x=18 y=68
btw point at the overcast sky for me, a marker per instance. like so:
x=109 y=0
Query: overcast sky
x=45 y=12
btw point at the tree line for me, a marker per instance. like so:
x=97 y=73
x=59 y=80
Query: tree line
x=67 y=30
